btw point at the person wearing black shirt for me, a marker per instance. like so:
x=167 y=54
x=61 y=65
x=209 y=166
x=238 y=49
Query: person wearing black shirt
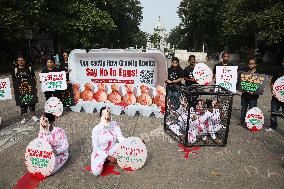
x=67 y=96
x=50 y=67
x=175 y=76
x=275 y=103
x=225 y=62
x=188 y=72
x=248 y=99
x=189 y=79
x=23 y=72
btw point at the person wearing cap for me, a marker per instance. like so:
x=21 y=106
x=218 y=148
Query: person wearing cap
x=104 y=140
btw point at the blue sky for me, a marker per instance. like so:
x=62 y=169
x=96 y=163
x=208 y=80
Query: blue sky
x=166 y=9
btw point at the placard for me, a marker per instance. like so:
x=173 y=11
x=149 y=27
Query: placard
x=202 y=74
x=39 y=157
x=278 y=89
x=131 y=153
x=254 y=119
x=227 y=77
x=253 y=82
x=5 y=89
x=25 y=91
x=54 y=106
x=53 y=81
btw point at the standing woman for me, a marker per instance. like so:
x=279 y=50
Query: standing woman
x=67 y=96
x=50 y=67
x=24 y=84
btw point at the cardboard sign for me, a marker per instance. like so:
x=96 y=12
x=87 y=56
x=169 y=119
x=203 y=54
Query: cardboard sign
x=53 y=105
x=5 y=89
x=254 y=119
x=131 y=153
x=25 y=91
x=53 y=81
x=202 y=74
x=253 y=82
x=40 y=157
x=278 y=89
x=227 y=77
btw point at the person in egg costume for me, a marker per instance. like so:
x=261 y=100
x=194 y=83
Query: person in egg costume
x=104 y=140
x=56 y=137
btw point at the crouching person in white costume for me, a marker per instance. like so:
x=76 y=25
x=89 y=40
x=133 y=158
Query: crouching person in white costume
x=56 y=137
x=104 y=141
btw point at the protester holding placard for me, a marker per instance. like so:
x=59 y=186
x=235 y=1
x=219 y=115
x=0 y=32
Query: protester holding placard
x=275 y=103
x=225 y=62
x=248 y=99
x=24 y=84
x=50 y=67
x=175 y=76
x=104 y=141
x=67 y=95
x=56 y=137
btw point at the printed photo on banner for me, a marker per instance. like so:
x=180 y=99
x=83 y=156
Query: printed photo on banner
x=53 y=81
x=5 y=89
x=254 y=83
x=278 y=89
x=25 y=91
x=227 y=77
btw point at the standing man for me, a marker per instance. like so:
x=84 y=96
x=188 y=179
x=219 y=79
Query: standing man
x=188 y=72
x=189 y=79
x=248 y=99
x=275 y=103
x=225 y=62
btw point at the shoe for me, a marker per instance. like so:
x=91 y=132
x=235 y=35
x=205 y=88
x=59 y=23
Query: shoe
x=24 y=121
x=270 y=130
x=34 y=118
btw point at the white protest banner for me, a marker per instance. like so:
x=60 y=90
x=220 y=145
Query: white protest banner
x=278 y=89
x=5 y=89
x=131 y=154
x=227 y=77
x=202 y=74
x=53 y=81
x=254 y=119
x=118 y=66
x=40 y=157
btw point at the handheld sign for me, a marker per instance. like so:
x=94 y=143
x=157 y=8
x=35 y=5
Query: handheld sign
x=278 y=89
x=54 y=106
x=53 y=81
x=5 y=89
x=254 y=119
x=253 y=82
x=227 y=77
x=202 y=74
x=40 y=157
x=131 y=153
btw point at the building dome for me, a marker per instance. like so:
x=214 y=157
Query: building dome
x=159 y=25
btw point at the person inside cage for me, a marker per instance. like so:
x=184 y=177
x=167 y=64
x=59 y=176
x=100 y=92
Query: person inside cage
x=104 y=140
x=206 y=124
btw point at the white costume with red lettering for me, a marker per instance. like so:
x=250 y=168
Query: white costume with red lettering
x=104 y=141
x=58 y=141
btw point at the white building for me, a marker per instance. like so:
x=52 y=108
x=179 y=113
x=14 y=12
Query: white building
x=160 y=30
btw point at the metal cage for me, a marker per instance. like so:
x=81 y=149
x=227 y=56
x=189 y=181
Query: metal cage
x=198 y=115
